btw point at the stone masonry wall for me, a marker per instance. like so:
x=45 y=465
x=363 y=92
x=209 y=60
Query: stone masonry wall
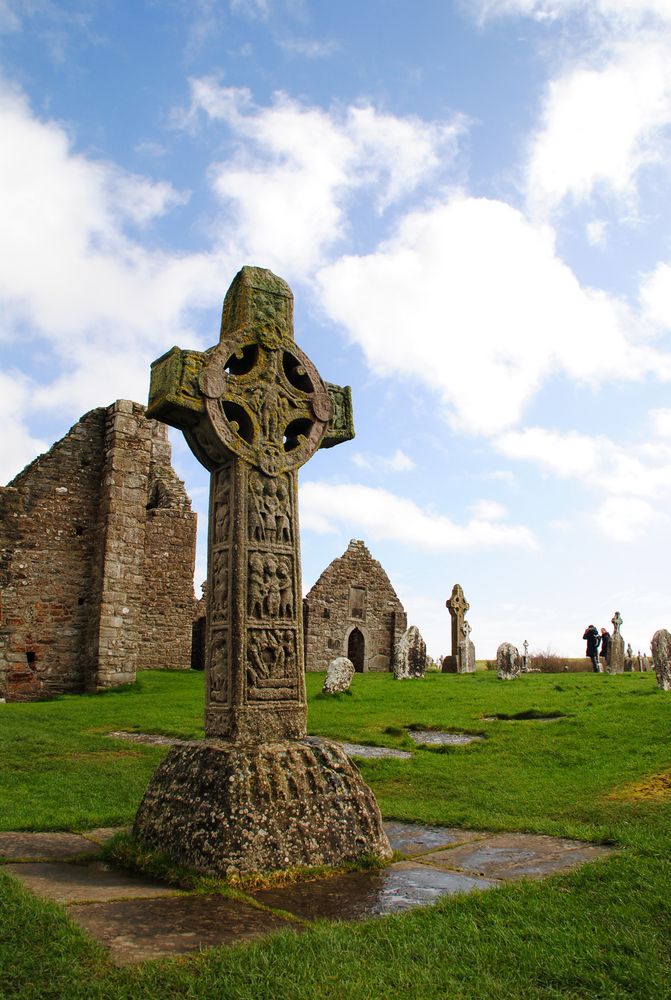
x=48 y=543
x=353 y=593
x=85 y=589
x=169 y=557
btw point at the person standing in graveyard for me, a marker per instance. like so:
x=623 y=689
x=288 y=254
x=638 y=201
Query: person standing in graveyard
x=593 y=639
x=605 y=646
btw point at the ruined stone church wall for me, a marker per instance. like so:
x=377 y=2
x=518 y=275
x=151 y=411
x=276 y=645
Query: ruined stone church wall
x=48 y=545
x=168 y=600
x=353 y=592
x=84 y=587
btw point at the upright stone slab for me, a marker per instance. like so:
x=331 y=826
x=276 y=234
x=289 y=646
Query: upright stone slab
x=526 y=666
x=338 y=676
x=508 y=662
x=661 y=658
x=616 y=649
x=410 y=656
x=255 y=795
x=459 y=659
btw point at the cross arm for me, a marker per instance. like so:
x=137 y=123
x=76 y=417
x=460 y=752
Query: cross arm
x=341 y=425
x=174 y=395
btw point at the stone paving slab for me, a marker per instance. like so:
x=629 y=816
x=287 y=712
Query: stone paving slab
x=139 y=930
x=359 y=895
x=361 y=750
x=411 y=838
x=94 y=882
x=45 y=846
x=512 y=856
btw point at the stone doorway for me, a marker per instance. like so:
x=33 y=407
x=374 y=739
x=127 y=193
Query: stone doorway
x=355 y=649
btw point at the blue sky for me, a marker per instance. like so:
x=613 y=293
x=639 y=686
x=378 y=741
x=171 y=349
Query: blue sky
x=470 y=201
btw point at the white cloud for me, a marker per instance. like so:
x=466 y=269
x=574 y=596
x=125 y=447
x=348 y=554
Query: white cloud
x=398 y=462
x=624 y=519
x=378 y=514
x=488 y=510
x=632 y=11
x=18 y=446
x=655 y=295
x=470 y=299
x=602 y=125
x=661 y=422
x=596 y=232
x=598 y=462
x=75 y=278
x=296 y=167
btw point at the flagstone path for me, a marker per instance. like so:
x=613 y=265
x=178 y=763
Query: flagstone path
x=138 y=918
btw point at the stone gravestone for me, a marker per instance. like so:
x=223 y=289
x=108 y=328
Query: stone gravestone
x=338 y=676
x=256 y=794
x=508 y=662
x=661 y=658
x=410 y=656
x=629 y=659
x=616 y=649
x=526 y=667
x=460 y=661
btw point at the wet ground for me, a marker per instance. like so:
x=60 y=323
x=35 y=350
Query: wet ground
x=139 y=919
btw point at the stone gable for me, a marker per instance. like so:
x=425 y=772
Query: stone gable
x=353 y=611
x=97 y=548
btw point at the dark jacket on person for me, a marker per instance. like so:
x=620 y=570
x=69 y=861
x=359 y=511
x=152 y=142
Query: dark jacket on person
x=605 y=644
x=593 y=639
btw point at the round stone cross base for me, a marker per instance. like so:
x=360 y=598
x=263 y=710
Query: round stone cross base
x=224 y=808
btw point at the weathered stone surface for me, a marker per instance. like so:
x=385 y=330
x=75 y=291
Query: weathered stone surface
x=512 y=856
x=338 y=676
x=616 y=647
x=141 y=930
x=410 y=656
x=412 y=839
x=45 y=846
x=97 y=547
x=462 y=658
x=431 y=737
x=255 y=795
x=222 y=807
x=94 y=882
x=661 y=658
x=508 y=662
x=353 y=611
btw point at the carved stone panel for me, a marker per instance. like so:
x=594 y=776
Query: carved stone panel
x=272 y=663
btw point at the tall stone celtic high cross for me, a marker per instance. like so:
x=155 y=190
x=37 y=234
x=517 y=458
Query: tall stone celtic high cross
x=457 y=605
x=256 y=794
x=253 y=409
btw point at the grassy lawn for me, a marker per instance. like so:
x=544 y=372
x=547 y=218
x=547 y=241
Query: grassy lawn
x=601 y=771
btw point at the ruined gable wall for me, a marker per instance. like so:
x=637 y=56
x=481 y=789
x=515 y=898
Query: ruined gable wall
x=48 y=544
x=328 y=617
x=168 y=600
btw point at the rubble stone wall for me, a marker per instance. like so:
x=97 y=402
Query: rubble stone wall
x=84 y=588
x=353 y=595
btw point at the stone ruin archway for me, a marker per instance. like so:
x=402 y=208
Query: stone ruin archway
x=356 y=649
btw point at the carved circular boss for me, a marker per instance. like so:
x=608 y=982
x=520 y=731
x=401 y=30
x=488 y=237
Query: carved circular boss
x=266 y=404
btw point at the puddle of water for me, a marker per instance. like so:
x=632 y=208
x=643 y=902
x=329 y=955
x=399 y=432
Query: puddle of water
x=369 y=894
x=429 y=737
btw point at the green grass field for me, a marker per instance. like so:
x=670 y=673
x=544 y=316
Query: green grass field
x=601 y=771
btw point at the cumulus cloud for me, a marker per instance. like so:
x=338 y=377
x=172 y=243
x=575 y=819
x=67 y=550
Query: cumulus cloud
x=296 y=168
x=398 y=462
x=655 y=296
x=597 y=461
x=472 y=300
x=18 y=445
x=379 y=514
x=79 y=276
x=602 y=125
x=625 y=519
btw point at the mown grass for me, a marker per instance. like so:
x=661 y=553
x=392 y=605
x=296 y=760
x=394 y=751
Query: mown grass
x=600 y=772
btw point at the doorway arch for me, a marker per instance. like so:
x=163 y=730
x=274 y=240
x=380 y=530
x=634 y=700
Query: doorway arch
x=356 y=649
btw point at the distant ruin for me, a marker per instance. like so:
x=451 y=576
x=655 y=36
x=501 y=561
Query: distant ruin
x=97 y=551
x=353 y=611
